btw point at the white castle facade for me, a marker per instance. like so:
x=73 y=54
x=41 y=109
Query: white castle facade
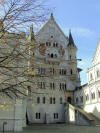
x=55 y=79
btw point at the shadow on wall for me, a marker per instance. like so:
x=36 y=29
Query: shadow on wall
x=96 y=111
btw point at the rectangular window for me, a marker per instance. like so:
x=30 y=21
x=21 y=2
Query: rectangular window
x=99 y=94
x=55 y=115
x=54 y=100
x=52 y=86
x=41 y=85
x=50 y=100
x=41 y=70
x=37 y=115
x=44 y=100
x=38 y=99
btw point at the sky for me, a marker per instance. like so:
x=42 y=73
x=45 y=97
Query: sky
x=83 y=18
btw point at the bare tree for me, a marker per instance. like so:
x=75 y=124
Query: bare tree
x=17 y=15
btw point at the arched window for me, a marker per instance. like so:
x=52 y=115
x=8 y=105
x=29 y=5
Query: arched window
x=50 y=100
x=76 y=99
x=91 y=77
x=38 y=99
x=71 y=71
x=29 y=90
x=48 y=55
x=87 y=97
x=44 y=100
x=99 y=93
x=54 y=44
x=81 y=99
x=55 y=56
x=70 y=57
x=98 y=73
x=60 y=100
x=69 y=100
x=51 y=55
x=93 y=95
x=54 y=100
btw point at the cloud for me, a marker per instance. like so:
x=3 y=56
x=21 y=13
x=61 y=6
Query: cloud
x=80 y=32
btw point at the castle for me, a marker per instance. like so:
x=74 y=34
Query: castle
x=55 y=79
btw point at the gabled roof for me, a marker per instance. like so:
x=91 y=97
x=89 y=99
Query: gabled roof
x=53 y=20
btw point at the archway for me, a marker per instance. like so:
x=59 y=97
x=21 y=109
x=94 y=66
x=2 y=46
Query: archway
x=27 y=121
x=69 y=100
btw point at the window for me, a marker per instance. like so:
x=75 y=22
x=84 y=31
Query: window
x=48 y=55
x=93 y=95
x=44 y=100
x=55 y=56
x=55 y=115
x=52 y=86
x=38 y=99
x=37 y=115
x=50 y=100
x=71 y=71
x=29 y=90
x=87 y=97
x=99 y=93
x=51 y=55
x=41 y=70
x=98 y=73
x=63 y=86
x=41 y=85
x=91 y=77
x=48 y=44
x=81 y=99
x=52 y=70
x=69 y=100
x=54 y=100
x=76 y=99
x=55 y=44
x=62 y=71
x=70 y=57
x=60 y=100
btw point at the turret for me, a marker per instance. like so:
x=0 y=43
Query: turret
x=31 y=45
x=72 y=49
x=31 y=35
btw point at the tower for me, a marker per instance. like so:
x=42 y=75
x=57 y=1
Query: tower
x=72 y=51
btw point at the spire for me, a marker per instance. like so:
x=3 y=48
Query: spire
x=51 y=17
x=31 y=34
x=71 y=41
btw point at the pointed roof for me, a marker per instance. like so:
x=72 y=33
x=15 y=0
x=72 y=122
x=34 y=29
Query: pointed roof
x=97 y=53
x=53 y=20
x=31 y=34
x=71 y=41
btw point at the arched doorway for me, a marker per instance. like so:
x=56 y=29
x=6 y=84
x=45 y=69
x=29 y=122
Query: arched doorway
x=69 y=100
x=27 y=121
